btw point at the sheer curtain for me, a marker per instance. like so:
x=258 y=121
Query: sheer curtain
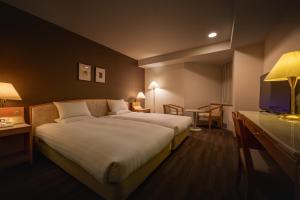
x=227 y=95
x=227 y=83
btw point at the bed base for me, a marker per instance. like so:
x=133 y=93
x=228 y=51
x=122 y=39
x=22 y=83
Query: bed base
x=179 y=138
x=106 y=190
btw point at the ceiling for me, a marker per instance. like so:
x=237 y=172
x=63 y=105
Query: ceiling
x=146 y=30
x=138 y=28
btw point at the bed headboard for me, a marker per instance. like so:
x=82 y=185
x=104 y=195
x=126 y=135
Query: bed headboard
x=47 y=113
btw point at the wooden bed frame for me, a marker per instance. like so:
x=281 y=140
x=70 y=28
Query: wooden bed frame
x=47 y=113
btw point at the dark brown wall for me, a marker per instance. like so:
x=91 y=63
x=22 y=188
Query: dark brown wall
x=41 y=60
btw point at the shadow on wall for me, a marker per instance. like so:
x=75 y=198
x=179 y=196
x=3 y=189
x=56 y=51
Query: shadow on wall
x=204 y=73
x=41 y=61
x=283 y=38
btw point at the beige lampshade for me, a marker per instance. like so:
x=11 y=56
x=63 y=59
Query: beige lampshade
x=140 y=95
x=8 y=92
x=287 y=66
x=153 y=85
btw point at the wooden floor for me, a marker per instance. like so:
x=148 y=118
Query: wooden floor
x=204 y=167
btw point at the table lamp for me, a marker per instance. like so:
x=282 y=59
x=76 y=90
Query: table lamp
x=152 y=86
x=287 y=68
x=140 y=95
x=137 y=104
x=8 y=92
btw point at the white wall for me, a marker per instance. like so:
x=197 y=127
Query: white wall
x=189 y=85
x=283 y=38
x=247 y=69
x=192 y=85
x=170 y=80
x=202 y=84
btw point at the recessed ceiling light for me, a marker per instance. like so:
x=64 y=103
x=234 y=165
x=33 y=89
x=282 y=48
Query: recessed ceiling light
x=212 y=34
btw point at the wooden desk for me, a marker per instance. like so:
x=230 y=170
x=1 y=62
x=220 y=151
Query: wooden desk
x=281 y=140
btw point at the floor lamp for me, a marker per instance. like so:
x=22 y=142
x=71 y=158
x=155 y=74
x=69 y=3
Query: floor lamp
x=287 y=68
x=153 y=85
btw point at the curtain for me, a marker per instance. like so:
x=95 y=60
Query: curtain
x=227 y=83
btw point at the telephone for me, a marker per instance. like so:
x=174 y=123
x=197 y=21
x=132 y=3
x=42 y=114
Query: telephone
x=137 y=106
x=9 y=116
x=4 y=123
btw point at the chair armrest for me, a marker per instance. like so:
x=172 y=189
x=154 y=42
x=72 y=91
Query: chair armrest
x=203 y=107
x=211 y=109
x=176 y=107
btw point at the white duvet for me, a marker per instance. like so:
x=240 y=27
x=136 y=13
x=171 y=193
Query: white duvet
x=176 y=122
x=109 y=149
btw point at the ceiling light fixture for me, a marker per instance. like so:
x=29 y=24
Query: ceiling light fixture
x=212 y=34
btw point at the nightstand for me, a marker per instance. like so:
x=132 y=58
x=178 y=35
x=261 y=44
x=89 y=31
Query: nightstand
x=145 y=110
x=22 y=156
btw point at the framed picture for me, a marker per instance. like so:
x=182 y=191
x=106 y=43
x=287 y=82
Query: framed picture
x=100 y=75
x=84 y=72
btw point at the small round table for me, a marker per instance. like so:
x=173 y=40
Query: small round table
x=195 y=118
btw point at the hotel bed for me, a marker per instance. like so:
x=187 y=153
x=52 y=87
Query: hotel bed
x=180 y=124
x=111 y=156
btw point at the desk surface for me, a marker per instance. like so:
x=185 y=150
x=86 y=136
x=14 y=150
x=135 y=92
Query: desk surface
x=284 y=132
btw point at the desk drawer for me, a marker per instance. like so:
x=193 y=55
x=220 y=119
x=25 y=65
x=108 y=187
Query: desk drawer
x=284 y=159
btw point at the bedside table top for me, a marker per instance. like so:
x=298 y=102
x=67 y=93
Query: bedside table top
x=15 y=129
x=143 y=109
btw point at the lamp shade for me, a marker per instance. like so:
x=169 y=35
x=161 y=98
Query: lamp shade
x=153 y=85
x=287 y=66
x=140 y=95
x=8 y=92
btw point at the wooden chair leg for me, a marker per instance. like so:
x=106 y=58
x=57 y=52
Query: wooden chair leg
x=209 y=124
x=221 y=123
x=250 y=193
x=239 y=174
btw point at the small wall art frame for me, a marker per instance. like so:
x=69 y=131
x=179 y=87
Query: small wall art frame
x=84 y=72
x=99 y=75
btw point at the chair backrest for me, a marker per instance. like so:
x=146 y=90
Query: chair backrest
x=173 y=109
x=217 y=109
x=243 y=148
x=166 y=109
x=237 y=129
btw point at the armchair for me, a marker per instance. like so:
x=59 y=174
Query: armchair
x=213 y=112
x=173 y=109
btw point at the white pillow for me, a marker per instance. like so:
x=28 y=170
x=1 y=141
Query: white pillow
x=116 y=105
x=72 y=109
x=74 y=119
x=120 y=112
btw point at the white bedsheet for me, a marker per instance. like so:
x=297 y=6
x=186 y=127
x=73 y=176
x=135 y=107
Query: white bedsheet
x=176 y=122
x=109 y=149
